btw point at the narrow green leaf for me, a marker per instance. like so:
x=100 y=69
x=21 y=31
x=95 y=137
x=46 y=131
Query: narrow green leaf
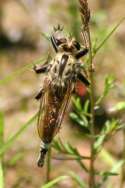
x=107 y=157
x=54 y=182
x=56 y=144
x=1 y=177
x=113 y=172
x=46 y=36
x=117 y=166
x=99 y=142
x=68 y=148
x=109 y=84
x=77 y=104
x=77 y=179
x=119 y=106
x=10 y=141
x=108 y=36
x=73 y=116
x=86 y=106
x=1 y=128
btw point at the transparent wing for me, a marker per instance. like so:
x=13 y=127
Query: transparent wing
x=42 y=109
x=63 y=108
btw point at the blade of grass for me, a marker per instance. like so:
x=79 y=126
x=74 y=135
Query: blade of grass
x=44 y=35
x=18 y=72
x=1 y=177
x=108 y=36
x=54 y=182
x=10 y=141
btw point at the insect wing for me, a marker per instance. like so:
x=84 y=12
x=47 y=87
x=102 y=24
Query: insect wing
x=63 y=108
x=42 y=111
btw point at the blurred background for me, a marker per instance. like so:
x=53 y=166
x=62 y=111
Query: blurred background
x=23 y=27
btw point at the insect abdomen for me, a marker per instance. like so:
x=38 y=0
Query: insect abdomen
x=50 y=124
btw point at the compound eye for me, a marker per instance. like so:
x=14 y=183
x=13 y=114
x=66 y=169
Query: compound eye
x=61 y=41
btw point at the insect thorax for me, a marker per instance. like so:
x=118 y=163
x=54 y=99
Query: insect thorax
x=64 y=68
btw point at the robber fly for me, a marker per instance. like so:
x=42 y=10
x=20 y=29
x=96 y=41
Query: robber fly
x=62 y=73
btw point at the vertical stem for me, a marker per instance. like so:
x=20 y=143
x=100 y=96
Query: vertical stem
x=92 y=122
x=1 y=135
x=123 y=167
x=48 y=169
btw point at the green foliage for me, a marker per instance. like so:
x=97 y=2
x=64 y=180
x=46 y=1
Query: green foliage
x=1 y=129
x=68 y=149
x=82 y=116
x=12 y=139
x=77 y=179
x=1 y=176
x=107 y=174
x=120 y=106
x=106 y=37
x=108 y=85
x=81 y=113
x=54 y=182
x=110 y=128
x=71 y=174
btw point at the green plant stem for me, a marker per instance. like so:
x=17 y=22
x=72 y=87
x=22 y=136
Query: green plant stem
x=123 y=166
x=92 y=121
x=48 y=166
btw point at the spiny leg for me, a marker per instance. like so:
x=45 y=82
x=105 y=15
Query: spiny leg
x=81 y=53
x=82 y=78
x=41 y=68
x=40 y=94
x=54 y=43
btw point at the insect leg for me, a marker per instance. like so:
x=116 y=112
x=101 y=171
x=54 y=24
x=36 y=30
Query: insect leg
x=54 y=43
x=83 y=79
x=81 y=53
x=41 y=68
x=40 y=94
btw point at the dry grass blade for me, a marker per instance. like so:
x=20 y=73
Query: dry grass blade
x=85 y=17
x=85 y=13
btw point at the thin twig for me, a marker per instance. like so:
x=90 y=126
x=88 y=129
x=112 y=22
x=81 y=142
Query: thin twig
x=92 y=127
x=70 y=158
